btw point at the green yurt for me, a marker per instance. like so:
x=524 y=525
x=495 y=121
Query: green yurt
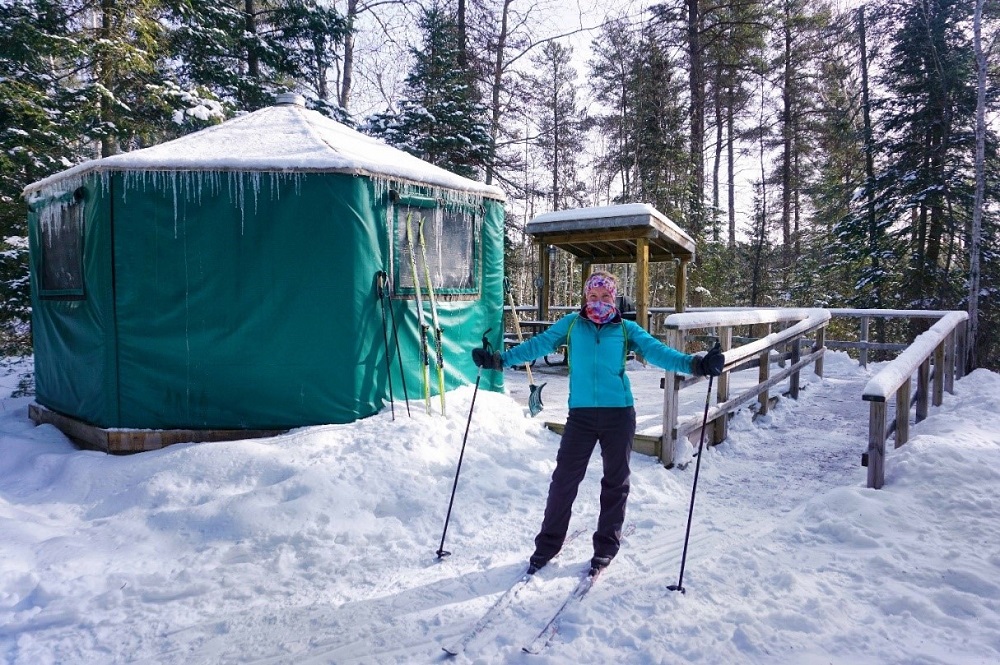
x=227 y=280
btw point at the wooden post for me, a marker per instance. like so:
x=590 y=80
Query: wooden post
x=949 y=362
x=903 y=413
x=923 y=389
x=668 y=456
x=543 y=284
x=962 y=353
x=863 y=358
x=939 y=372
x=642 y=282
x=783 y=347
x=764 y=372
x=680 y=286
x=876 y=445
x=793 y=380
x=586 y=269
x=720 y=428
x=820 y=343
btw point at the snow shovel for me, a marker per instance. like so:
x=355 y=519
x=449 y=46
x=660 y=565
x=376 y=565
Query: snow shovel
x=535 y=392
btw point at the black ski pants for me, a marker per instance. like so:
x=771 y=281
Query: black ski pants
x=614 y=428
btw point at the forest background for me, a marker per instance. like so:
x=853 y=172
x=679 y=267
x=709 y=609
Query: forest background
x=820 y=155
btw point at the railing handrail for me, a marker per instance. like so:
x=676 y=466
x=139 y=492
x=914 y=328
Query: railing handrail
x=802 y=321
x=738 y=317
x=886 y=313
x=806 y=320
x=884 y=385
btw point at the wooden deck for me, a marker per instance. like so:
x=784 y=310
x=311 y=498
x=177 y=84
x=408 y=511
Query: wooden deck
x=120 y=441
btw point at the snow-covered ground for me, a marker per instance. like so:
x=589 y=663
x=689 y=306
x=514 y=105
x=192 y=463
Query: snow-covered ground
x=318 y=546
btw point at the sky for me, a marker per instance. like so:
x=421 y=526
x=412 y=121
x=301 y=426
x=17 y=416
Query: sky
x=318 y=546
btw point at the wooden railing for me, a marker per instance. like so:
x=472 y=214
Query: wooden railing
x=755 y=354
x=945 y=344
x=935 y=359
x=860 y=346
x=865 y=318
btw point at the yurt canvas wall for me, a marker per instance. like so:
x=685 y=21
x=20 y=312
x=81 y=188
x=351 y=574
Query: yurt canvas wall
x=239 y=298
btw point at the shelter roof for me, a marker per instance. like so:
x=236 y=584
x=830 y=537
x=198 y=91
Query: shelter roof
x=608 y=234
x=286 y=137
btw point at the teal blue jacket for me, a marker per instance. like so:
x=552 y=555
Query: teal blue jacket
x=596 y=357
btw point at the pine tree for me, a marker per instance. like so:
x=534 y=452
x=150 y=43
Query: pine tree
x=798 y=48
x=441 y=118
x=926 y=125
x=560 y=122
x=612 y=70
x=38 y=136
x=854 y=271
x=660 y=142
x=737 y=32
x=245 y=52
x=634 y=76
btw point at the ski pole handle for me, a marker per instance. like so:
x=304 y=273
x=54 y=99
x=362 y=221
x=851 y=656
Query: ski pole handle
x=381 y=279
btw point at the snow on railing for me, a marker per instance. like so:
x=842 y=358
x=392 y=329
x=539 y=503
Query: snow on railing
x=756 y=353
x=863 y=345
x=945 y=343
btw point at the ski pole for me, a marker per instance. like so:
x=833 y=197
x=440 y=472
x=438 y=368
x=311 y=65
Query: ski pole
x=442 y=553
x=399 y=351
x=697 y=467
x=380 y=278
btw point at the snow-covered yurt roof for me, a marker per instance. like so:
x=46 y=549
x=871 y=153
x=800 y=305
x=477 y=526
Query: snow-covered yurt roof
x=284 y=138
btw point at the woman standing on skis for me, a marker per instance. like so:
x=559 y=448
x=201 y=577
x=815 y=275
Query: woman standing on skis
x=597 y=342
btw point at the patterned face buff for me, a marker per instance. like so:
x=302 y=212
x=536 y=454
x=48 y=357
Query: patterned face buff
x=601 y=312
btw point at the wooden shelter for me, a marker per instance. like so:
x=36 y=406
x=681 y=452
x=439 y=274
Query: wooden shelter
x=632 y=233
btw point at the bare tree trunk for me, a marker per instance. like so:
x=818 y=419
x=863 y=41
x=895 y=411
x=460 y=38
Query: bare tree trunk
x=786 y=144
x=555 y=149
x=696 y=80
x=250 y=22
x=873 y=243
x=796 y=201
x=463 y=45
x=496 y=86
x=108 y=144
x=977 y=207
x=731 y=167
x=716 y=164
x=758 y=268
x=347 y=79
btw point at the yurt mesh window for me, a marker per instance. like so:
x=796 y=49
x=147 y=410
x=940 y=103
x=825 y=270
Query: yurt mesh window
x=61 y=234
x=449 y=244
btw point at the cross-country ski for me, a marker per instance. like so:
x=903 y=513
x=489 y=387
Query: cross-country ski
x=423 y=330
x=545 y=635
x=498 y=608
x=435 y=321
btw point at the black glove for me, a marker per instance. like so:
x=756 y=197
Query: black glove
x=484 y=359
x=708 y=364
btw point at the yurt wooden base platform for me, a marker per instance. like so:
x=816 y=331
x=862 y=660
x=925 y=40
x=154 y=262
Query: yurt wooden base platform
x=118 y=441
